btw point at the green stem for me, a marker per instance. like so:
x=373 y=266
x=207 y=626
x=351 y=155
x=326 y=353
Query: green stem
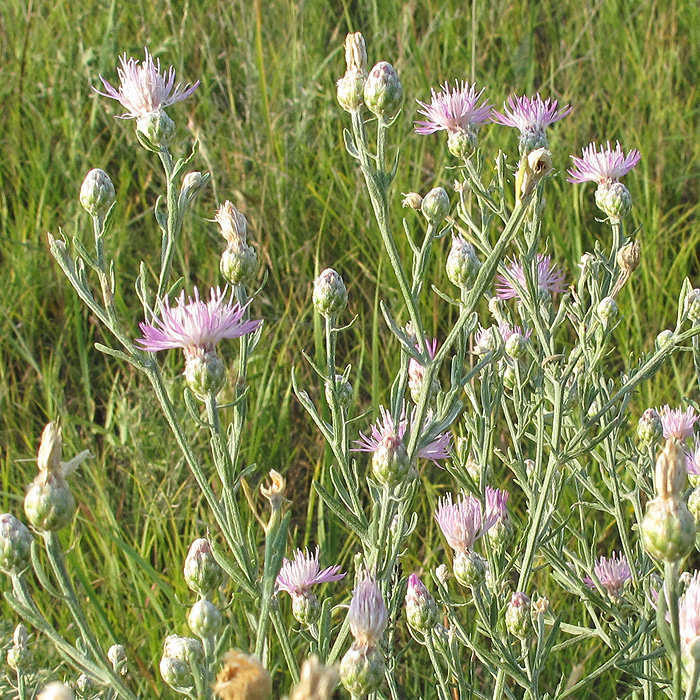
x=671 y=591
x=173 y=224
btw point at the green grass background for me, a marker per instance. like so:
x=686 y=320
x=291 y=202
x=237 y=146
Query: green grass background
x=270 y=132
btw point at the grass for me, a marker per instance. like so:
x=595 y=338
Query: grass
x=270 y=132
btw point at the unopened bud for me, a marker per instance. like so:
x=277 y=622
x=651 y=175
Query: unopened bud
x=156 y=130
x=362 y=670
x=412 y=200
x=85 y=687
x=192 y=184
x=306 y=607
x=351 y=86
x=204 y=619
x=518 y=620
x=436 y=205
x=607 y=312
x=462 y=263
x=650 y=428
x=461 y=143
x=97 y=193
x=205 y=373
x=116 y=655
x=239 y=264
x=343 y=391
x=179 y=655
x=390 y=462
x=668 y=529
x=383 y=91
x=19 y=657
x=202 y=572
x=49 y=504
x=614 y=200
x=15 y=545
x=421 y=610
x=516 y=345
x=692 y=305
x=469 y=569
x=664 y=339
x=330 y=296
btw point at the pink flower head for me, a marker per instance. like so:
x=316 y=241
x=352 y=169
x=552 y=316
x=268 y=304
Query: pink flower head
x=195 y=324
x=295 y=577
x=612 y=574
x=530 y=114
x=368 y=615
x=605 y=166
x=385 y=427
x=549 y=278
x=506 y=331
x=496 y=504
x=692 y=461
x=677 y=423
x=143 y=89
x=462 y=523
x=689 y=611
x=454 y=109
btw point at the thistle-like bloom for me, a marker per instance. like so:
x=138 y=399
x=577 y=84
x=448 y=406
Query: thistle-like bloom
x=454 y=110
x=676 y=423
x=416 y=372
x=549 y=278
x=143 y=89
x=296 y=576
x=530 y=115
x=692 y=464
x=689 y=612
x=368 y=614
x=612 y=574
x=385 y=426
x=496 y=503
x=605 y=166
x=463 y=522
x=195 y=325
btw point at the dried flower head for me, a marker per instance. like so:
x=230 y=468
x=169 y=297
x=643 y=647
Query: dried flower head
x=368 y=614
x=605 y=166
x=316 y=681
x=296 y=576
x=242 y=677
x=233 y=223
x=143 y=89
x=612 y=574
x=549 y=278
x=463 y=522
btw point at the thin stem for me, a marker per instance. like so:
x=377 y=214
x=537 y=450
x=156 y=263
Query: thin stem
x=671 y=589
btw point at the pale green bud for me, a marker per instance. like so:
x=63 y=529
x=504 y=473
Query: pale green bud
x=97 y=193
x=350 y=90
x=692 y=305
x=390 y=463
x=15 y=545
x=531 y=140
x=436 y=205
x=510 y=376
x=205 y=372
x=20 y=658
x=469 y=569
x=117 y=657
x=362 y=669
x=343 y=390
x=157 y=130
x=501 y=533
x=461 y=143
x=306 y=608
x=649 y=428
x=462 y=263
x=614 y=200
x=421 y=610
x=204 y=619
x=192 y=183
x=330 y=295
x=607 y=312
x=664 y=339
x=49 y=504
x=202 y=572
x=668 y=529
x=518 y=616
x=179 y=655
x=383 y=91
x=516 y=345
x=239 y=264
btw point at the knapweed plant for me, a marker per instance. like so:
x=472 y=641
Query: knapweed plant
x=568 y=522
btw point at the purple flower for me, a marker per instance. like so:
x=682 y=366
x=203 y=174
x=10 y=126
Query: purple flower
x=496 y=504
x=530 y=114
x=689 y=611
x=386 y=427
x=454 y=109
x=692 y=461
x=194 y=324
x=462 y=523
x=368 y=614
x=295 y=577
x=143 y=89
x=676 y=423
x=604 y=167
x=612 y=574
x=549 y=278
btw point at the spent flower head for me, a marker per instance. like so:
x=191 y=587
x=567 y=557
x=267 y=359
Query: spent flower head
x=143 y=88
x=303 y=571
x=549 y=278
x=462 y=522
x=605 y=166
x=612 y=574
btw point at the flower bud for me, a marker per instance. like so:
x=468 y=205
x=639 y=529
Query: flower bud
x=330 y=296
x=664 y=339
x=383 y=91
x=501 y=533
x=668 y=530
x=412 y=200
x=390 y=462
x=85 y=687
x=19 y=657
x=461 y=143
x=518 y=620
x=421 y=610
x=97 y=193
x=179 y=655
x=205 y=372
x=56 y=691
x=436 y=205
x=306 y=607
x=116 y=655
x=649 y=428
x=343 y=391
x=204 y=619
x=239 y=264
x=362 y=670
x=469 y=569
x=614 y=200
x=242 y=677
x=607 y=312
x=442 y=574
x=350 y=90
x=628 y=257
x=202 y=572
x=156 y=130
x=15 y=545
x=462 y=263
x=416 y=374
x=516 y=345
x=692 y=305
x=49 y=504
x=192 y=183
